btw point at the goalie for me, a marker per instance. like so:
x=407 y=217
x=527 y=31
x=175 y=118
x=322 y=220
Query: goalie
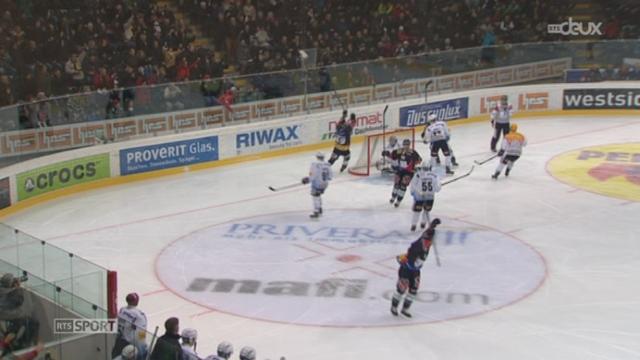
x=387 y=165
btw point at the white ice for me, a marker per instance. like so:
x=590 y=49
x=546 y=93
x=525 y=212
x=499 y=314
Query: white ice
x=587 y=308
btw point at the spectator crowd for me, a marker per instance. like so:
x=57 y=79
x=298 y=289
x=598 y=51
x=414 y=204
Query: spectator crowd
x=51 y=48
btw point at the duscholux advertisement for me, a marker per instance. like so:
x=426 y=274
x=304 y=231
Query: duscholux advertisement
x=5 y=193
x=61 y=175
x=416 y=115
x=161 y=156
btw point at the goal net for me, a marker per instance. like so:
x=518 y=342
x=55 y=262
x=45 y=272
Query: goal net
x=370 y=158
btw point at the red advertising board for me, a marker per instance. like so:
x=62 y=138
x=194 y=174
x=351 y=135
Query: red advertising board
x=17 y=143
x=88 y=134
x=211 y=117
x=383 y=92
x=291 y=106
x=264 y=109
x=54 y=138
x=183 y=122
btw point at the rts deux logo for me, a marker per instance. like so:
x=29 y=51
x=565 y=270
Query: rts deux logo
x=611 y=170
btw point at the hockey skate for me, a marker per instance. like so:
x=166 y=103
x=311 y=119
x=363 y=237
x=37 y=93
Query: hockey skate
x=423 y=225
x=448 y=171
x=506 y=172
x=495 y=176
x=315 y=215
x=343 y=167
x=406 y=313
x=396 y=204
x=394 y=310
x=454 y=162
x=392 y=200
x=413 y=228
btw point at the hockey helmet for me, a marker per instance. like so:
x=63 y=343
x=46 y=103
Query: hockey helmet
x=225 y=349
x=426 y=166
x=406 y=142
x=132 y=299
x=129 y=352
x=393 y=140
x=513 y=128
x=504 y=99
x=248 y=353
x=189 y=334
x=432 y=118
x=319 y=156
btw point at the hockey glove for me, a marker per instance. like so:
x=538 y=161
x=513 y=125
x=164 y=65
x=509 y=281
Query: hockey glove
x=493 y=123
x=435 y=223
x=501 y=152
x=305 y=180
x=386 y=153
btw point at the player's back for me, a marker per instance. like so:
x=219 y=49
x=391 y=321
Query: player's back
x=513 y=143
x=320 y=174
x=425 y=184
x=438 y=131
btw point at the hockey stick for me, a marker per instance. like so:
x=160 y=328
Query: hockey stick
x=384 y=126
x=435 y=252
x=335 y=94
x=426 y=87
x=486 y=160
x=459 y=177
x=285 y=186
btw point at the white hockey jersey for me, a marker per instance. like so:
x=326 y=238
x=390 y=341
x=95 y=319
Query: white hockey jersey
x=501 y=114
x=513 y=143
x=320 y=174
x=424 y=185
x=438 y=131
x=132 y=323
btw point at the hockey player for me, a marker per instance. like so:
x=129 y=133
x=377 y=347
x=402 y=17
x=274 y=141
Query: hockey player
x=438 y=133
x=500 y=117
x=319 y=176
x=510 y=151
x=247 y=353
x=132 y=323
x=225 y=349
x=424 y=185
x=409 y=271
x=407 y=159
x=344 y=129
x=189 y=343
x=386 y=164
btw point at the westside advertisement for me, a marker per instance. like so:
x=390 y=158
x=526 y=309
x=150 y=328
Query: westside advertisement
x=574 y=99
x=161 y=156
x=416 y=115
x=61 y=175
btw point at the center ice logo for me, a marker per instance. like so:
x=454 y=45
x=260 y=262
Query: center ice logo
x=611 y=170
x=341 y=271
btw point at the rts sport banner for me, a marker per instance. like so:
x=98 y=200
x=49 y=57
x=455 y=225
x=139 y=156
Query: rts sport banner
x=416 y=115
x=63 y=174
x=168 y=155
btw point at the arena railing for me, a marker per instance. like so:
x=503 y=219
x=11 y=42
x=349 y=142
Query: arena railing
x=97 y=106
x=63 y=277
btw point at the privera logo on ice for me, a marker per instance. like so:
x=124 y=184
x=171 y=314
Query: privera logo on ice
x=168 y=155
x=342 y=271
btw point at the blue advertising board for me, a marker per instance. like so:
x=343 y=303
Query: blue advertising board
x=416 y=115
x=168 y=155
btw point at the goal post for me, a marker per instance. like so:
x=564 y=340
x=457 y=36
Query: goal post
x=371 y=151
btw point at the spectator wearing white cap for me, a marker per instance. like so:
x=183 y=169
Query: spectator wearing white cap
x=132 y=323
x=189 y=343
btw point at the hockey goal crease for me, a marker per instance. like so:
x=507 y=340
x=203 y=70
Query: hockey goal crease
x=371 y=151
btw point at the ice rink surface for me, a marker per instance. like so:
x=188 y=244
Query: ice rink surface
x=560 y=265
